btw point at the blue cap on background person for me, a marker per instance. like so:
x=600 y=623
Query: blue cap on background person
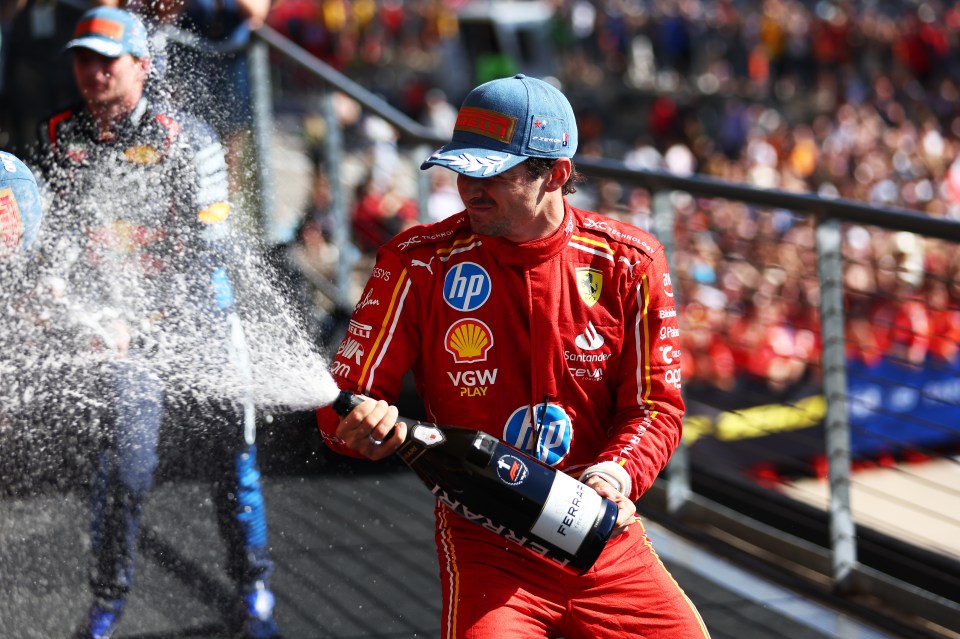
x=503 y=122
x=20 y=205
x=111 y=32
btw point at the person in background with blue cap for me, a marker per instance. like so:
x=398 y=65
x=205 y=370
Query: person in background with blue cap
x=21 y=207
x=549 y=327
x=138 y=231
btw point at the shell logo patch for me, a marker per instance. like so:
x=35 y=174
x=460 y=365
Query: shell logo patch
x=468 y=340
x=11 y=225
x=589 y=284
x=142 y=155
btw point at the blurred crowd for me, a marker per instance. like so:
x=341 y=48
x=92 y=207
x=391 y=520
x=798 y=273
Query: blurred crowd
x=849 y=99
x=844 y=99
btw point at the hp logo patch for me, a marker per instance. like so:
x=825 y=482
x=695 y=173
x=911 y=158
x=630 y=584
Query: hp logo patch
x=466 y=286
x=553 y=442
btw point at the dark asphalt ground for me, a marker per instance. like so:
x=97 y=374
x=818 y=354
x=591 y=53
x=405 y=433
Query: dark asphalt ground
x=353 y=546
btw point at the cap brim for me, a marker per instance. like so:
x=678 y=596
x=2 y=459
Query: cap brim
x=103 y=47
x=472 y=161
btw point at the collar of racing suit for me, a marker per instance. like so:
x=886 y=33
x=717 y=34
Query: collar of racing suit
x=541 y=275
x=122 y=129
x=535 y=251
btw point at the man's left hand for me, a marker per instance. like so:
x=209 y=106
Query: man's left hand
x=626 y=509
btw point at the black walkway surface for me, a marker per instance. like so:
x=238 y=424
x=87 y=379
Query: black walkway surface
x=353 y=544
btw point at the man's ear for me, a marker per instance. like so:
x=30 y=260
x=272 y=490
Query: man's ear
x=144 y=64
x=559 y=174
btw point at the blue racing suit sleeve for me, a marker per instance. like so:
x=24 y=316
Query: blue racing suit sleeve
x=222 y=289
x=205 y=162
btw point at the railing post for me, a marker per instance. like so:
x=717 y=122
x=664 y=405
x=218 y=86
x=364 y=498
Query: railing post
x=842 y=529
x=423 y=183
x=678 y=470
x=262 y=105
x=342 y=230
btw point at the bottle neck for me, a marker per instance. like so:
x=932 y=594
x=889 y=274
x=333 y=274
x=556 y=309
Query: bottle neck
x=420 y=437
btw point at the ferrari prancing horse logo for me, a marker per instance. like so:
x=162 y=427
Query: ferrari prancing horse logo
x=589 y=284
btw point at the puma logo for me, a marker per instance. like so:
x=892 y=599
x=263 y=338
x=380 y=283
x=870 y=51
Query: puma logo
x=629 y=264
x=426 y=265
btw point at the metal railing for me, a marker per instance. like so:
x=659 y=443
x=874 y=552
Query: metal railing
x=838 y=558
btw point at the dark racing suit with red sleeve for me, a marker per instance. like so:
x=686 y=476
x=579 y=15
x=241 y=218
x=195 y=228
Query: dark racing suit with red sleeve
x=139 y=233
x=566 y=347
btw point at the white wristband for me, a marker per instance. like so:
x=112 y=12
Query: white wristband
x=611 y=472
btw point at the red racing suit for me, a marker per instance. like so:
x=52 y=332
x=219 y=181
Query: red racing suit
x=566 y=347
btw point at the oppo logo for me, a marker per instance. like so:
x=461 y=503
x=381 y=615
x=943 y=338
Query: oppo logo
x=672 y=377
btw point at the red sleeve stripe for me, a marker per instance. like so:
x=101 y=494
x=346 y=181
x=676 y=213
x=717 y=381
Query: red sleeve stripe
x=52 y=126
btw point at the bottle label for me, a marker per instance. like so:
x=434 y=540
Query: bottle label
x=420 y=437
x=568 y=514
x=427 y=435
x=480 y=519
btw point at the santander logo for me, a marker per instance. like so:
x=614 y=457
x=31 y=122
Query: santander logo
x=589 y=339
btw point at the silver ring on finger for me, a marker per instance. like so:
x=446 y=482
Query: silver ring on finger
x=375 y=442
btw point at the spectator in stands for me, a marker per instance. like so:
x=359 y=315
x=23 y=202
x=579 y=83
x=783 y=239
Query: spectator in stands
x=444 y=200
x=210 y=75
x=33 y=81
x=379 y=214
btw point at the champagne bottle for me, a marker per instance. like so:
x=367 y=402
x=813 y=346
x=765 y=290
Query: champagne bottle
x=506 y=490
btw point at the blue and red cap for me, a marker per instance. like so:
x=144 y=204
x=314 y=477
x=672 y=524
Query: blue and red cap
x=111 y=32
x=20 y=205
x=503 y=122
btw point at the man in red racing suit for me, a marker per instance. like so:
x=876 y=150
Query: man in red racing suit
x=566 y=346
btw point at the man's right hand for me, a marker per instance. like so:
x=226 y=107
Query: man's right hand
x=372 y=429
